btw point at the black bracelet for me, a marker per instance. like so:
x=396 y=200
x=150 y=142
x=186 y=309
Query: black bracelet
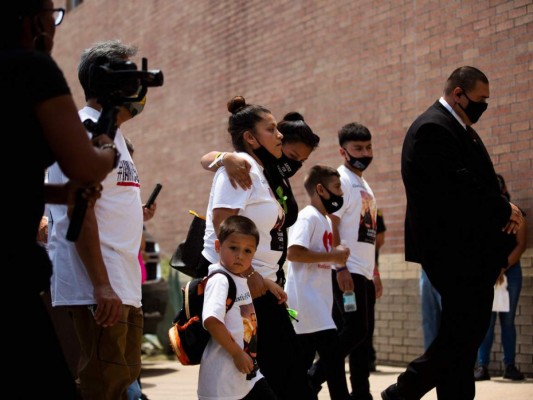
x=117 y=153
x=340 y=269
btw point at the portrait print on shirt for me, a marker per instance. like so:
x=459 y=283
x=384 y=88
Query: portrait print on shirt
x=368 y=220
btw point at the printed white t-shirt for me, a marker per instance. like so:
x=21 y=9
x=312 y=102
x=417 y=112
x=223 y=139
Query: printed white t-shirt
x=120 y=224
x=308 y=285
x=358 y=222
x=257 y=203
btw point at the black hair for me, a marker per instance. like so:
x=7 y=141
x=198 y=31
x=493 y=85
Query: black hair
x=354 y=131
x=237 y=224
x=109 y=51
x=244 y=117
x=319 y=174
x=13 y=12
x=464 y=77
x=295 y=130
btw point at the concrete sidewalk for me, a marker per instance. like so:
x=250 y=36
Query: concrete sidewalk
x=165 y=378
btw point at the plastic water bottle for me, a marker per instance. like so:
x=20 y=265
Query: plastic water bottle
x=348 y=299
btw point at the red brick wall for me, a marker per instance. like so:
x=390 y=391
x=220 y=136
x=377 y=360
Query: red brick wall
x=379 y=63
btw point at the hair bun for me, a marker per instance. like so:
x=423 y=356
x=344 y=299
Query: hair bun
x=293 y=116
x=236 y=103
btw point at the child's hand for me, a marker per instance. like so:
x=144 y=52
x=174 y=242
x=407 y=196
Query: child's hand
x=243 y=362
x=340 y=254
x=276 y=290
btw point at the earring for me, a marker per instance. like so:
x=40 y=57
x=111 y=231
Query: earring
x=39 y=41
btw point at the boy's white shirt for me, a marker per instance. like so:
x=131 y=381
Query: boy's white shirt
x=308 y=286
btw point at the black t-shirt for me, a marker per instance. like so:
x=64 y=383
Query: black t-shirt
x=26 y=79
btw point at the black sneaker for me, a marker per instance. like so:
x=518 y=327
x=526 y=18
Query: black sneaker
x=512 y=373
x=481 y=373
x=391 y=393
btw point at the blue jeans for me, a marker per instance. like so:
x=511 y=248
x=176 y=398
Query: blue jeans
x=134 y=391
x=431 y=309
x=508 y=328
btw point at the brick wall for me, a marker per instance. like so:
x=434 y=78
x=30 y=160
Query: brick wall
x=380 y=63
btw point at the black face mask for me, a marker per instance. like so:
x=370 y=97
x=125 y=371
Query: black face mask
x=360 y=163
x=334 y=203
x=266 y=158
x=287 y=167
x=474 y=109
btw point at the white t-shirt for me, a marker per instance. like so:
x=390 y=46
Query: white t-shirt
x=257 y=203
x=358 y=222
x=120 y=223
x=218 y=376
x=308 y=285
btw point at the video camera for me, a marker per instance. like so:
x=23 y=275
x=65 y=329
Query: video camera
x=120 y=82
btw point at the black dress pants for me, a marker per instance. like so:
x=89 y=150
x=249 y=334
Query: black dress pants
x=448 y=363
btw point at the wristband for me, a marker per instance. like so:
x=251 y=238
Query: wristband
x=341 y=269
x=218 y=161
x=376 y=272
x=117 y=153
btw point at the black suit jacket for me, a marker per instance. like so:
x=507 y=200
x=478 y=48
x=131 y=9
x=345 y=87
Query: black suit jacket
x=455 y=213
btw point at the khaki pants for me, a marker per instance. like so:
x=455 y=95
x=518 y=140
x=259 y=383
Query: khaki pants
x=110 y=358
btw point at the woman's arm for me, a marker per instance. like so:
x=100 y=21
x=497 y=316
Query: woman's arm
x=237 y=168
x=78 y=158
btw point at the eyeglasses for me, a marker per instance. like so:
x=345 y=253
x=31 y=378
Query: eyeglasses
x=57 y=13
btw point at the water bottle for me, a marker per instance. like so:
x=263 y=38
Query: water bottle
x=348 y=299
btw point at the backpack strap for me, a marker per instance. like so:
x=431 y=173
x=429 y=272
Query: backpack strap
x=232 y=291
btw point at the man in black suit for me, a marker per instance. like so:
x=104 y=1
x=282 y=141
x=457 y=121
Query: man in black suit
x=454 y=227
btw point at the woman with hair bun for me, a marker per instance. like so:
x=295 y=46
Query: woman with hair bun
x=256 y=139
x=298 y=142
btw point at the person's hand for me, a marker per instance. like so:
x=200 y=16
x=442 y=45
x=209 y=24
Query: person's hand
x=345 y=281
x=42 y=233
x=515 y=220
x=238 y=170
x=276 y=290
x=257 y=285
x=378 y=285
x=108 y=305
x=340 y=254
x=149 y=212
x=243 y=362
x=89 y=193
x=500 y=278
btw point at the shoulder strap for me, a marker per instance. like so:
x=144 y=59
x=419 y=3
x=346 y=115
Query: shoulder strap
x=232 y=291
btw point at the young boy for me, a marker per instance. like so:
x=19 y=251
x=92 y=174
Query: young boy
x=309 y=287
x=227 y=370
x=355 y=222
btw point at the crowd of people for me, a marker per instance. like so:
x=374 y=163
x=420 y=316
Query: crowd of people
x=285 y=336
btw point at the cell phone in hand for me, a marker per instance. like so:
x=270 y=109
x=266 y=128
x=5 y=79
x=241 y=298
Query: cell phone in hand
x=153 y=196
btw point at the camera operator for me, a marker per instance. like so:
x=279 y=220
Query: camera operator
x=36 y=100
x=98 y=276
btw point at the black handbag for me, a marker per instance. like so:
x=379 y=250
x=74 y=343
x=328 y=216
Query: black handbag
x=187 y=255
